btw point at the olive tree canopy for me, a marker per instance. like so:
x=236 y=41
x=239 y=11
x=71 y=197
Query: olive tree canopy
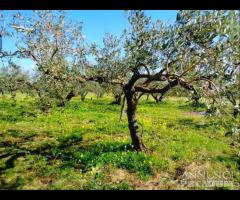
x=194 y=53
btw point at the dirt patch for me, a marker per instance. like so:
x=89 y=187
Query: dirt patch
x=193 y=167
x=121 y=175
x=47 y=180
x=192 y=175
x=160 y=181
x=153 y=184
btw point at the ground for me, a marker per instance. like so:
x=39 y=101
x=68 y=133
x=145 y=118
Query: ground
x=85 y=146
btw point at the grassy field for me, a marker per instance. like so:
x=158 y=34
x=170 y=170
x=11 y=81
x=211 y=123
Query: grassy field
x=85 y=146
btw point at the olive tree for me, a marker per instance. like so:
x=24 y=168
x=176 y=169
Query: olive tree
x=56 y=46
x=9 y=80
x=187 y=54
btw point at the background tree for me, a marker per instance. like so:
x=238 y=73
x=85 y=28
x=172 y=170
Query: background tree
x=117 y=92
x=90 y=87
x=57 y=48
x=9 y=79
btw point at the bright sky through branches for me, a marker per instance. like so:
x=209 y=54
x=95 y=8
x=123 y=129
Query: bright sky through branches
x=95 y=24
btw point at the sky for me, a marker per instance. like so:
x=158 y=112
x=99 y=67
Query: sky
x=95 y=24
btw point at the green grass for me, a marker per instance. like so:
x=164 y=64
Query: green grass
x=84 y=146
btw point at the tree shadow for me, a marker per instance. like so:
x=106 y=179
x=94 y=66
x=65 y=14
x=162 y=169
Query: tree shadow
x=87 y=156
x=192 y=124
x=10 y=186
x=190 y=107
x=18 y=113
x=152 y=102
x=15 y=149
x=67 y=149
x=229 y=160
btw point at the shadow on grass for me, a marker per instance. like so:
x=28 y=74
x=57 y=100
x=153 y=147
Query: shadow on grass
x=94 y=105
x=17 y=113
x=229 y=160
x=190 y=123
x=10 y=186
x=190 y=107
x=151 y=102
x=13 y=150
x=67 y=149
x=88 y=156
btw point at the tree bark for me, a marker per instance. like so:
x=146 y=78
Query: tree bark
x=132 y=121
x=118 y=99
x=70 y=96
x=236 y=111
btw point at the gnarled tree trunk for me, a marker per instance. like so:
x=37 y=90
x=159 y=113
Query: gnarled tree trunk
x=63 y=102
x=236 y=111
x=132 y=121
x=118 y=99
x=70 y=96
